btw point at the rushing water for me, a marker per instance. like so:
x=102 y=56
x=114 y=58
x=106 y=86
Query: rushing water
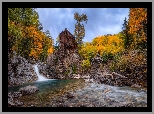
x=122 y=94
x=40 y=77
x=53 y=88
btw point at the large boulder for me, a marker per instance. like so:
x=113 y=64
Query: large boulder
x=28 y=90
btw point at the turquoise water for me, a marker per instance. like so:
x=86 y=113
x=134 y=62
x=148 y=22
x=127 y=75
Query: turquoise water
x=49 y=89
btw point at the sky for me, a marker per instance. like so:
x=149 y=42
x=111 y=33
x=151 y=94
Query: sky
x=101 y=21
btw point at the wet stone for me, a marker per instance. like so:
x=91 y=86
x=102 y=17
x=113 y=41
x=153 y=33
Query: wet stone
x=32 y=105
x=20 y=103
x=70 y=95
x=121 y=100
x=134 y=100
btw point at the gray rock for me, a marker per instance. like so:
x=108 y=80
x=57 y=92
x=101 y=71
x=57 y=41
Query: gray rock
x=17 y=94
x=70 y=95
x=20 y=71
x=32 y=105
x=11 y=104
x=28 y=90
x=18 y=103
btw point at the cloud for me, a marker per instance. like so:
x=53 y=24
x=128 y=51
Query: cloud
x=101 y=21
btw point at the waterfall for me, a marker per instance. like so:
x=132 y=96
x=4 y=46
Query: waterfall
x=40 y=77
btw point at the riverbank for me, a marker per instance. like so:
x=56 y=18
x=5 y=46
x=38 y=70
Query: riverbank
x=89 y=95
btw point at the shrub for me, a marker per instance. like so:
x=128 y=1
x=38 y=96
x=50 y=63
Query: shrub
x=85 y=64
x=132 y=64
x=107 y=56
x=74 y=69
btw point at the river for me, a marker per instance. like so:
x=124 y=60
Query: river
x=53 y=89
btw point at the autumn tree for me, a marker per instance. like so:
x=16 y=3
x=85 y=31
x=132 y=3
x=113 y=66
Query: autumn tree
x=138 y=27
x=18 y=20
x=79 y=31
x=105 y=46
x=25 y=35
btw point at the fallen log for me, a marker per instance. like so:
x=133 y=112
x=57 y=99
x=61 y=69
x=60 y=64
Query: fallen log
x=114 y=74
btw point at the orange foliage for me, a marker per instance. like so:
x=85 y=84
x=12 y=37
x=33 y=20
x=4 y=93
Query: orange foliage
x=137 y=24
x=37 y=38
x=50 y=50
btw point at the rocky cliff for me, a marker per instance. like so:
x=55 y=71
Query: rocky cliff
x=19 y=70
x=57 y=67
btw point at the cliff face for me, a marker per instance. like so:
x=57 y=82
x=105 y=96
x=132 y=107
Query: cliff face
x=20 y=71
x=61 y=67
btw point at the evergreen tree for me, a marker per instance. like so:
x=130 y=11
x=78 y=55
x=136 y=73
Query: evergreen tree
x=126 y=36
x=79 y=31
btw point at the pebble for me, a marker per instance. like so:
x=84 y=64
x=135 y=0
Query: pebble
x=70 y=95
x=19 y=103
x=32 y=105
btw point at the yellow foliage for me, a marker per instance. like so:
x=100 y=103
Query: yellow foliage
x=34 y=54
x=110 y=44
x=99 y=45
x=50 y=50
x=85 y=63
